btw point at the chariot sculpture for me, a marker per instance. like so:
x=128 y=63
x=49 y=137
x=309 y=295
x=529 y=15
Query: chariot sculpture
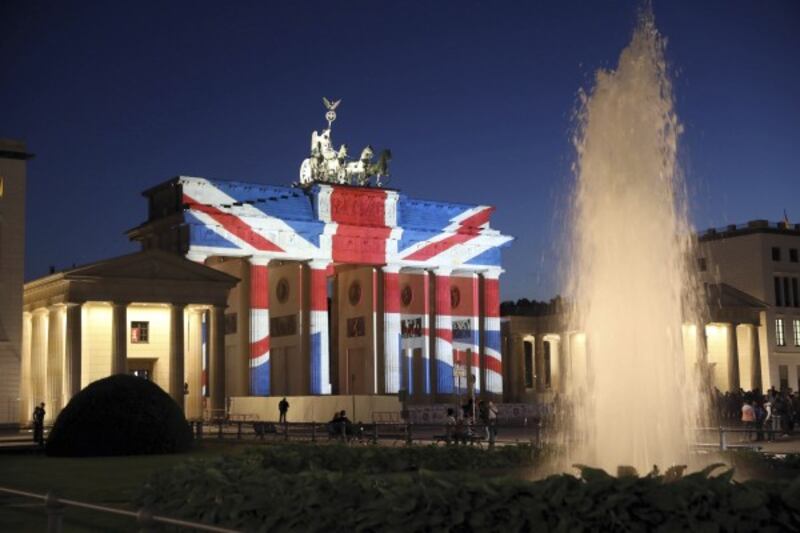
x=328 y=165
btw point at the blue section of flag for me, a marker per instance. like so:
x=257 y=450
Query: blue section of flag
x=493 y=340
x=202 y=235
x=489 y=257
x=422 y=220
x=427 y=370
x=316 y=363
x=260 y=380
x=445 y=377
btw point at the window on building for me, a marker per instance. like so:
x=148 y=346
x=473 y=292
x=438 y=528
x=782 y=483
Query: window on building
x=702 y=264
x=793 y=255
x=528 y=364
x=783 y=376
x=787 y=293
x=780 y=333
x=140 y=332
x=776 y=253
x=796 y=329
x=546 y=360
x=778 y=292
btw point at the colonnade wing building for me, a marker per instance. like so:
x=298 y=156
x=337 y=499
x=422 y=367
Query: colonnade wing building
x=750 y=338
x=344 y=290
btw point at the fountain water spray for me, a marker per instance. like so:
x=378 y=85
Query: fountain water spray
x=630 y=278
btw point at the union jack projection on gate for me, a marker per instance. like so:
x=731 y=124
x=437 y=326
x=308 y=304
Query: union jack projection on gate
x=326 y=225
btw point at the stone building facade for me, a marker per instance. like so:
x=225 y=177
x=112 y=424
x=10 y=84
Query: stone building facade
x=13 y=176
x=345 y=290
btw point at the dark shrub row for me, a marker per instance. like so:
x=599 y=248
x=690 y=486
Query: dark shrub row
x=240 y=492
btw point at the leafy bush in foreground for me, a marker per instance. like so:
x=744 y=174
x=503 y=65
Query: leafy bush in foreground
x=119 y=415
x=374 y=459
x=238 y=492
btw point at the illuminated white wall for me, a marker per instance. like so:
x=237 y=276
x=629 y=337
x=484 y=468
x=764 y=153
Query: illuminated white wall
x=717 y=335
x=96 y=342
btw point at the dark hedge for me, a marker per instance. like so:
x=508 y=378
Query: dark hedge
x=119 y=415
x=247 y=492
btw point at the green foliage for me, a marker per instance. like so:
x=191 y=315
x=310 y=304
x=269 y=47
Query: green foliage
x=374 y=459
x=119 y=415
x=292 y=489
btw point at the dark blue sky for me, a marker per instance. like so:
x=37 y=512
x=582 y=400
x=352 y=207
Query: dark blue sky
x=475 y=100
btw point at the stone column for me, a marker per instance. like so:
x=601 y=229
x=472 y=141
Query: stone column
x=538 y=363
x=260 y=379
x=217 y=359
x=38 y=358
x=444 y=333
x=491 y=323
x=733 y=357
x=318 y=328
x=476 y=361
x=26 y=400
x=72 y=352
x=426 y=328
x=755 y=352
x=176 y=353
x=55 y=360
x=119 y=338
x=391 y=329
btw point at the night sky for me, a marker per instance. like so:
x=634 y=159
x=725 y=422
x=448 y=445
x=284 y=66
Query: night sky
x=475 y=99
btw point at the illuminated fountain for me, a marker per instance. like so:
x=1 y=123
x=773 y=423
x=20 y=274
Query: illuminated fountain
x=631 y=382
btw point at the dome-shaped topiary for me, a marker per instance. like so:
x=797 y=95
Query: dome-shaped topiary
x=119 y=415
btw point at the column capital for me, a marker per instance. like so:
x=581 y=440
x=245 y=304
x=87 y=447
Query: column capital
x=197 y=257
x=177 y=305
x=259 y=260
x=493 y=273
x=318 y=264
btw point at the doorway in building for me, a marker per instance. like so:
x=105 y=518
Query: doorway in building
x=141 y=369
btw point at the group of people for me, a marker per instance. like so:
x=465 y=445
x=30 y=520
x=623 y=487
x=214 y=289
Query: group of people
x=767 y=414
x=342 y=428
x=462 y=429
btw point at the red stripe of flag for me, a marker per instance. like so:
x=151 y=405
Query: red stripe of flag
x=495 y=365
x=234 y=225
x=445 y=334
x=259 y=348
x=468 y=229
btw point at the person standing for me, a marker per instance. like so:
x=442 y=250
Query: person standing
x=38 y=424
x=748 y=418
x=450 y=425
x=492 y=423
x=483 y=413
x=283 y=408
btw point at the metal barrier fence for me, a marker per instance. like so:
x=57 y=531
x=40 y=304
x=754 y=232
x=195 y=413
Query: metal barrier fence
x=404 y=432
x=56 y=507
x=724 y=442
